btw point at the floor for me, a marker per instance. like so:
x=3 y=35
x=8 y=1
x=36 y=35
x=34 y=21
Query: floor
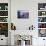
x=3 y=45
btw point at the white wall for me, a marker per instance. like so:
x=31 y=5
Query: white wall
x=23 y=24
x=31 y=6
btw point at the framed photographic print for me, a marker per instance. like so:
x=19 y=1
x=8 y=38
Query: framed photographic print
x=22 y=14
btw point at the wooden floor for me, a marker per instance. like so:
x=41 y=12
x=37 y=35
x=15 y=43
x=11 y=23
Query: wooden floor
x=3 y=45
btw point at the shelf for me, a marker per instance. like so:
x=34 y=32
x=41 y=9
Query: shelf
x=3 y=16
x=42 y=16
x=43 y=37
x=3 y=22
x=41 y=10
x=41 y=22
x=42 y=19
x=41 y=28
x=3 y=10
x=4 y=19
